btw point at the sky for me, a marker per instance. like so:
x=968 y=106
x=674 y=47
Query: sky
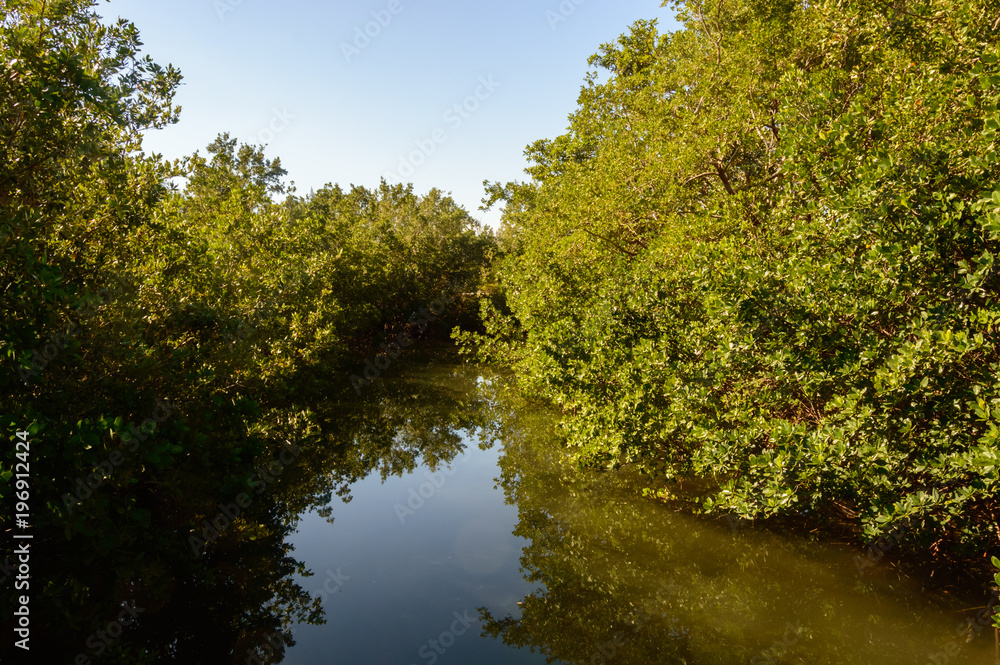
x=440 y=93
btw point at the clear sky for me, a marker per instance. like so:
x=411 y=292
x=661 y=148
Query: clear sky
x=350 y=92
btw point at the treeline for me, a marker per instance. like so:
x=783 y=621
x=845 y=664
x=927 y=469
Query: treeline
x=763 y=257
x=167 y=328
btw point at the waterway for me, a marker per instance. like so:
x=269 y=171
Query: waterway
x=477 y=540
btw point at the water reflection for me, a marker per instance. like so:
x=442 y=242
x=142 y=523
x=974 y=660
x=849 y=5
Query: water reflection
x=616 y=578
x=626 y=580
x=422 y=550
x=212 y=578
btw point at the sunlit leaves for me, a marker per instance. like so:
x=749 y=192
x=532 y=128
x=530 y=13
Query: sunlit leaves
x=764 y=253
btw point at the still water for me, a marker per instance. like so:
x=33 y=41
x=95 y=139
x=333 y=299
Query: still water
x=474 y=540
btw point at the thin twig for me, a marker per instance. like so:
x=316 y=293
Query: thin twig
x=698 y=177
x=41 y=27
x=610 y=242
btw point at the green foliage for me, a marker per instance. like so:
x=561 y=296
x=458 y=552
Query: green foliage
x=230 y=297
x=996 y=578
x=763 y=255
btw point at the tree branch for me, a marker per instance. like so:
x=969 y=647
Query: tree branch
x=698 y=177
x=610 y=242
x=724 y=177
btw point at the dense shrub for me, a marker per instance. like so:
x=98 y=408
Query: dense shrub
x=763 y=256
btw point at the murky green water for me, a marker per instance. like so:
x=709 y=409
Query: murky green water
x=442 y=564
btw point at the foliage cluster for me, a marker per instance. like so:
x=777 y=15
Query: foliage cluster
x=763 y=255
x=206 y=283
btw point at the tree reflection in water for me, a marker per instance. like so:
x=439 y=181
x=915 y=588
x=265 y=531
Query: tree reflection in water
x=237 y=601
x=622 y=579
x=619 y=578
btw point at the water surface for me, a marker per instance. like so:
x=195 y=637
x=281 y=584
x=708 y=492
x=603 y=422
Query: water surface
x=577 y=566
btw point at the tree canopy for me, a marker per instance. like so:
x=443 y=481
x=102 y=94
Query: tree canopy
x=762 y=255
x=169 y=332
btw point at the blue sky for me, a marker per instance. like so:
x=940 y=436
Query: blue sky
x=349 y=92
